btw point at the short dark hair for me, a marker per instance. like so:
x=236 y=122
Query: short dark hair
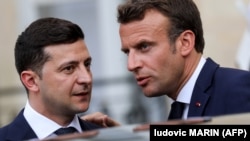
x=183 y=15
x=29 y=48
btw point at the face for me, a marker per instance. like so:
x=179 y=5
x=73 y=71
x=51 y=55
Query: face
x=152 y=59
x=66 y=83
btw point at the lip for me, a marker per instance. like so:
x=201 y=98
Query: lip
x=142 y=81
x=82 y=96
x=81 y=93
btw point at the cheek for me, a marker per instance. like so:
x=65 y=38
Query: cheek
x=162 y=60
x=53 y=82
x=65 y=85
x=59 y=85
x=166 y=63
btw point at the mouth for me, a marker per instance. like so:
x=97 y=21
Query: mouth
x=81 y=97
x=142 y=81
x=81 y=93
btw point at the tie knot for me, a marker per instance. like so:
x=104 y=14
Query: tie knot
x=68 y=130
x=178 y=105
x=176 y=110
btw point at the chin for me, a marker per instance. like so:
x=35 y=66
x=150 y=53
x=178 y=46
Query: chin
x=82 y=108
x=148 y=94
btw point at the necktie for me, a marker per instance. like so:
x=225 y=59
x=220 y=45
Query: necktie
x=68 y=130
x=176 y=110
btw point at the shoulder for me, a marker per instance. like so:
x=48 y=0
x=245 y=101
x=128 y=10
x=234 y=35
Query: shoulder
x=224 y=73
x=7 y=130
x=3 y=131
x=233 y=75
x=18 y=129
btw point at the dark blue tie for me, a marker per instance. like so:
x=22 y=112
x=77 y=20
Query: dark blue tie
x=63 y=131
x=176 y=111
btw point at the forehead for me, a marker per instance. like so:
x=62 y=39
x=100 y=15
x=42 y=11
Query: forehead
x=69 y=50
x=154 y=23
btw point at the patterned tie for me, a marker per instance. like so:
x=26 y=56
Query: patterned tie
x=176 y=111
x=63 y=131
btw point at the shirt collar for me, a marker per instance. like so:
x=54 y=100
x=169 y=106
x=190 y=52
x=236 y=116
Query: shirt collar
x=186 y=92
x=43 y=126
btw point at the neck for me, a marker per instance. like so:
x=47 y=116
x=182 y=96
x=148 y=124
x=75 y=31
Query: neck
x=191 y=64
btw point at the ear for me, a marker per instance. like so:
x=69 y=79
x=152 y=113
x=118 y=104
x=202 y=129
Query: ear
x=187 y=41
x=29 y=79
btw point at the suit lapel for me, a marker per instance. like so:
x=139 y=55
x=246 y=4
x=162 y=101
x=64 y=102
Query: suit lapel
x=201 y=91
x=85 y=125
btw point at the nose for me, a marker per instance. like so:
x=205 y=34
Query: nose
x=84 y=75
x=133 y=63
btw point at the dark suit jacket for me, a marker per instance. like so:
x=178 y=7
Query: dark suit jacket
x=220 y=91
x=19 y=129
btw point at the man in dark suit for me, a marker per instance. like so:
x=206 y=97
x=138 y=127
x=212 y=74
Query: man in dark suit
x=53 y=63
x=163 y=40
x=20 y=129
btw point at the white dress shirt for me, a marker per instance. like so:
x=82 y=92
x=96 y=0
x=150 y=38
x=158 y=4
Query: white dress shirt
x=42 y=126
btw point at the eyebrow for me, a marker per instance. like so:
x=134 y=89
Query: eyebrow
x=74 y=62
x=142 y=42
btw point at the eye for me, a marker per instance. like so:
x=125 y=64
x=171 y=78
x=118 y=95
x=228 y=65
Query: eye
x=87 y=64
x=126 y=52
x=69 y=69
x=143 y=46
